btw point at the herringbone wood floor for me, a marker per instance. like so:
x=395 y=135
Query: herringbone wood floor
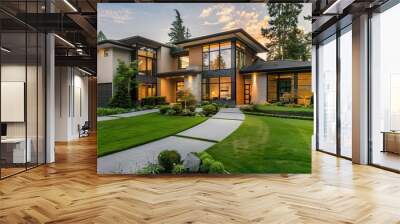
x=70 y=191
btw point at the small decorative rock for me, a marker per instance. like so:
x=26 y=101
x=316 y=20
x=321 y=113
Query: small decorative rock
x=191 y=162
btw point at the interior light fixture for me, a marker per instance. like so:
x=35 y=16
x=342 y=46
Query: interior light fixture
x=337 y=7
x=5 y=50
x=64 y=40
x=86 y=72
x=70 y=5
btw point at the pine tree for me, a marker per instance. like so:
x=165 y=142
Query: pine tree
x=124 y=82
x=285 y=39
x=178 y=31
x=101 y=36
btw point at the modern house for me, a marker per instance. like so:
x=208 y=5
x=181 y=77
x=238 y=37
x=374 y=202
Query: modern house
x=218 y=67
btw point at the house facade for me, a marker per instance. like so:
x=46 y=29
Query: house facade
x=222 y=67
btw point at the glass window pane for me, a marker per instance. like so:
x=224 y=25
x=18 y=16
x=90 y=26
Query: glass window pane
x=225 y=60
x=327 y=96
x=214 y=60
x=214 y=47
x=142 y=64
x=183 y=62
x=206 y=48
x=346 y=94
x=14 y=154
x=149 y=66
x=206 y=64
x=385 y=88
x=225 y=45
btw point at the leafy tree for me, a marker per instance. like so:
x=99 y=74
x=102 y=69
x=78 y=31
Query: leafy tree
x=285 y=39
x=124 y=82
x=186 y=96
x=178 y=31
x=101 y=36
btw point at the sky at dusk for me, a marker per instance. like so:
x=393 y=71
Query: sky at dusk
x=153 y=20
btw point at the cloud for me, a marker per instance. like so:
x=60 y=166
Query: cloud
x=229 y=17
x=119 y=16
x=206 y=12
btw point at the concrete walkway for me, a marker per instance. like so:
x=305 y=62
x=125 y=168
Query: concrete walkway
x=196 y=139
x=124 y=115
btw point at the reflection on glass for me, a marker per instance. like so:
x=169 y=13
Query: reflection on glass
x=327 y=96
x=385 y=89
x=214 y=60
x=346 y=94
x=225 y=60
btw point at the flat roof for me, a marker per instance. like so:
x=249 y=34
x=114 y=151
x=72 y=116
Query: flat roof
x=277 y=66
x=241 y=34
x=131 y=42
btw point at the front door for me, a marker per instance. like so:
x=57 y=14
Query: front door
x=247 y=91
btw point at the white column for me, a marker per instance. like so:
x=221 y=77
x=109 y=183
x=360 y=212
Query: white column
x=360 y=90
x=50 y=100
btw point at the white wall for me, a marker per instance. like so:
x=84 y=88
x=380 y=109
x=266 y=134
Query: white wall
x=71 y=102
x=107 y=65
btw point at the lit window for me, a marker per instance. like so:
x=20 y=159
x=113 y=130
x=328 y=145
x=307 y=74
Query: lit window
x=183 y=62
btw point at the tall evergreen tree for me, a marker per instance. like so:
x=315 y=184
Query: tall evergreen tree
x=101 y=36
x=178 y=31
x=285 y=39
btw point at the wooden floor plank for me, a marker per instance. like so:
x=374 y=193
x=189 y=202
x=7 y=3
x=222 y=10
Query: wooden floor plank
x=70 y=191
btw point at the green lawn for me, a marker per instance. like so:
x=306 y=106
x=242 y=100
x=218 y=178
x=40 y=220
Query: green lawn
x=120 y=134
x=265 y=144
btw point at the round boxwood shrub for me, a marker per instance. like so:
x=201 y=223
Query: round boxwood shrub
x=205 y=155
x=169 y=158
x=209 y=109
x=178 y=169
x=192 y=108
x=164 y=109
x=205 y=165
x=216 y=167
x=177 y=107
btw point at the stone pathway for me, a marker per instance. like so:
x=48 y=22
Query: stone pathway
x=124 y=115
x=196 y=139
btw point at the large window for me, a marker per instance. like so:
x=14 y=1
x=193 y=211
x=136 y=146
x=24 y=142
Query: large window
x=217 y=56
x=385 y=89
x=183 y=62
x=346 y=92
x=146 y=61
x=217 y=88
x=240 y=56
x=327 y=95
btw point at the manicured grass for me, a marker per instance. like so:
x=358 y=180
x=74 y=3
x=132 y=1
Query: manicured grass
x=120 y=134
x=265 y=144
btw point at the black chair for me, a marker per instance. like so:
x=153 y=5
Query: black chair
x=84 y=130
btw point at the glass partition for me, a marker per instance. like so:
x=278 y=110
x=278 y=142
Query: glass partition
x=346 y=93
x=385 y=89
x=327 y=95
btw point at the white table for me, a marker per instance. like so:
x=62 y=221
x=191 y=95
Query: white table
x=19 y=153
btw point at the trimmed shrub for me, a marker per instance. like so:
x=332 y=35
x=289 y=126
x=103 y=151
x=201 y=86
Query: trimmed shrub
x=168 y=159
x=205 y=165
x=177 y=107
x=178 y=169
x=203 y=103
x=192 y=108
x=209 y=110
x=164 y=109
x=216 y=167
x=153 y=100
x=104 y=111
x=204 y=155
x=151 y=169
x=170 y=112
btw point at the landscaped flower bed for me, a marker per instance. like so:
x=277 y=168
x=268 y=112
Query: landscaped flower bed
x=171 y=162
